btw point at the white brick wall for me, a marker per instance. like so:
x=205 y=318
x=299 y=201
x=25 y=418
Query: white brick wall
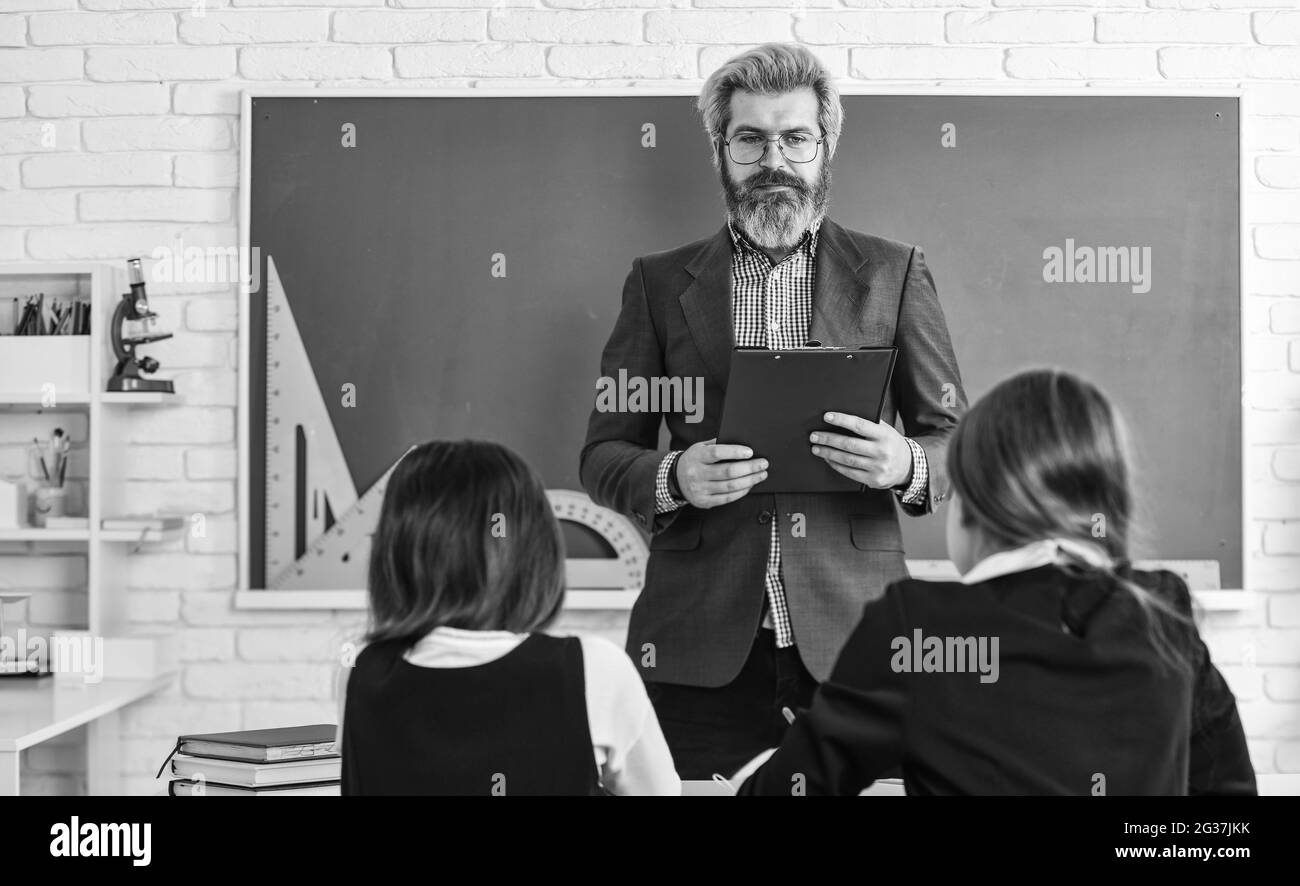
x=119 y=132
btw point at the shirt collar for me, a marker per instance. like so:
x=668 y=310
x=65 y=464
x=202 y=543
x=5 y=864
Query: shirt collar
x=808 y=243
x=448 y=634
x=447 y=647
x=1031 y=556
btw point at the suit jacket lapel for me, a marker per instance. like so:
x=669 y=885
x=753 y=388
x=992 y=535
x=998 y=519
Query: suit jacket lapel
x=706 y=304
x=840 y=289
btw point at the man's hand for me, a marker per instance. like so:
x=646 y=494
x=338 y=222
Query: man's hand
x=877 y=456
x=712 y=474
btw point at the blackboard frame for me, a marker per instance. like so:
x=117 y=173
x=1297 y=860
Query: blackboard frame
x=257 y=598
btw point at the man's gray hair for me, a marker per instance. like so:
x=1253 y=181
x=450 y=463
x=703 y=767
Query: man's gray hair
x=770 y=69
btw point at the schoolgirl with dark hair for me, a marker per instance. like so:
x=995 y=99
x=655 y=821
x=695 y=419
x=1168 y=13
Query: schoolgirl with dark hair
x=1053 y=666
x=458 y=690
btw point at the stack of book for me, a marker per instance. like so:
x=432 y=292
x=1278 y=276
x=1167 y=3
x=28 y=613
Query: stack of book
x=289 y=761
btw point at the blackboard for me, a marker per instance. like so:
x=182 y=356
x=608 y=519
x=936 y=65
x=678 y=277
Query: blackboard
x=385 y=215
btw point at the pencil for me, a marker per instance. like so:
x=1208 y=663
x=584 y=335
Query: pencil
x=44 y=470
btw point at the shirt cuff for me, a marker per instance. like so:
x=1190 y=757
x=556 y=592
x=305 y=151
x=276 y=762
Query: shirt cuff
x=916 y=491
x=664 y=501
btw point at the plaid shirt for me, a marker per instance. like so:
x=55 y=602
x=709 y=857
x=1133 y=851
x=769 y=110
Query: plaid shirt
x=771 y=307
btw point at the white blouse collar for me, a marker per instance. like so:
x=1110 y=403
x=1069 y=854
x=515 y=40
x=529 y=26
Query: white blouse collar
x=445 y=647
x=1033 y=555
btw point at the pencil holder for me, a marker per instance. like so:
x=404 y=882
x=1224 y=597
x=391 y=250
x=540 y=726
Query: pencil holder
x=48 y=501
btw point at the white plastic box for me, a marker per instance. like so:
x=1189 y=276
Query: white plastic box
x=139 y=655
x=13 y=503
x=30 y=362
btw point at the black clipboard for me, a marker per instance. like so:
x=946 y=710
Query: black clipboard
x=776 y=398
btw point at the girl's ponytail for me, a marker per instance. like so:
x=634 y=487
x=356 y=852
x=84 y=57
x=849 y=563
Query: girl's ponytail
x=1159 y=615
x=1045 y=455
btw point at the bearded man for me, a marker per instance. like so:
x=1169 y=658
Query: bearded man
x=749 y=596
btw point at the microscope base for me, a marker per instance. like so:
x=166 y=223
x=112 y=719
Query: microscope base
x=118 y=384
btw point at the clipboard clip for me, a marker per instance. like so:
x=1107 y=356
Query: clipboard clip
x=811 y=345
x=814 y=343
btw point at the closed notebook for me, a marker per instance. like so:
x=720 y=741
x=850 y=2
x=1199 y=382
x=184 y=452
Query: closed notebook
x=242 y=774
x=180 y=788
x=263 y=745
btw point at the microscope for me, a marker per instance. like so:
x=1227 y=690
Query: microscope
x=134 y=306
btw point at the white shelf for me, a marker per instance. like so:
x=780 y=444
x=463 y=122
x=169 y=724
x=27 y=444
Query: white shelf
x=271 y=599
x=35 y=533
x=1226 y=600
x=34 y=399
x=149 y=536
x=83 y=398
x=34 y=709
x=139 y=398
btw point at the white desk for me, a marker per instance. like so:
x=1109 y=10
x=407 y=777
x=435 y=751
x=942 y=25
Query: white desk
x=884 y=787
x=35 y=710
x=1270 y=785
x=1274 y=784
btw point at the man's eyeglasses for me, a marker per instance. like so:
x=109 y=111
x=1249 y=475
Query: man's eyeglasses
x=797 y=146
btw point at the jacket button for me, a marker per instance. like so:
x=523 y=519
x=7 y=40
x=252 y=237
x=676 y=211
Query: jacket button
x=765 y=516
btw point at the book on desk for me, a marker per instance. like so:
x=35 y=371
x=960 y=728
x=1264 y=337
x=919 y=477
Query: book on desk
x=286 y=761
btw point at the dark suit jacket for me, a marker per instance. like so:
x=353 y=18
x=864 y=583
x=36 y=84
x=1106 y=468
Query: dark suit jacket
x=703 y=596
x=1064 y=709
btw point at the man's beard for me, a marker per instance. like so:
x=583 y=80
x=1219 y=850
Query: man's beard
x=776 y=219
